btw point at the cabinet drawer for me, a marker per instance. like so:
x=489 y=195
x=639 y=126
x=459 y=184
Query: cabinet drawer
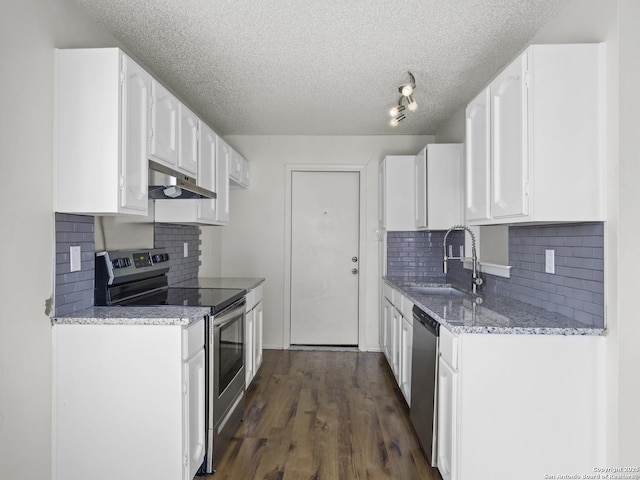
x=389 y=292
x=192 y=339
x=253 y=297
x=449 y=347
x=407 y=307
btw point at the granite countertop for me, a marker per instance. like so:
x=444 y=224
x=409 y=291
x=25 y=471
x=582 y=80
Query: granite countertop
x=496 y=314
x=243 y=283
x=162 y=315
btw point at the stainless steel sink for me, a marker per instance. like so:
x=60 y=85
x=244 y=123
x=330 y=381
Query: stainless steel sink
x=439 y=290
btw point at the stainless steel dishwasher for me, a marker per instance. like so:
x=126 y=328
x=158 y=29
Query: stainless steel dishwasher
x=424 y=374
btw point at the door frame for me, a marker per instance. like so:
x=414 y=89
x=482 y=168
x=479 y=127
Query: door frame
x=337 y=168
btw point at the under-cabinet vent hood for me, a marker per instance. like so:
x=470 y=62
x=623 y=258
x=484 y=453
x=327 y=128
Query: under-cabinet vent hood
x=167 y=184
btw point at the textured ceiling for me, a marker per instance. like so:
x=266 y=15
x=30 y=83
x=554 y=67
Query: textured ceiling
x=322 y=67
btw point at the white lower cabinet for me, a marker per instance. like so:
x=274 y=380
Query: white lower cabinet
x=519 y=406
x=406 y=350
x=397 y=336
x=253 y=334
x=128 y=401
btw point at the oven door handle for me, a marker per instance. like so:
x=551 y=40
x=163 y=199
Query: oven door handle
x=221 y=321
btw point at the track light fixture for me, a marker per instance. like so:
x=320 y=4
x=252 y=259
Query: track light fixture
x=406 y=92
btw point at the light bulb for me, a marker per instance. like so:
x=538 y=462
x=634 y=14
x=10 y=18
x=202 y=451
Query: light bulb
x=413 y=105
x=395 y=121
x=407 y=89
x=396 y=110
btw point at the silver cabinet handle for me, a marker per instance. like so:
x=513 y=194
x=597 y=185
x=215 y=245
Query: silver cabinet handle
x=354 y=259
x=354 y=271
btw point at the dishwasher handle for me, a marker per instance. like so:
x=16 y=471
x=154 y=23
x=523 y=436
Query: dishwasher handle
x=426 y=320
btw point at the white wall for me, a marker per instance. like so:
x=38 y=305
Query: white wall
x=627 y=259
x=253 y=243
x=29 y=31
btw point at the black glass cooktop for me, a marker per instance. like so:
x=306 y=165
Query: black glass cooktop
x=216 y=298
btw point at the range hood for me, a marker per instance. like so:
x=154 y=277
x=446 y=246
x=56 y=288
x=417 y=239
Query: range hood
x=168 y=184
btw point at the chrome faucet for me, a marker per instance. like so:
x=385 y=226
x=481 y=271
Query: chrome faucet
x=476 y=280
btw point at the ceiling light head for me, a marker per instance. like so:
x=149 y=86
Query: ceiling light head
x=413 y=105
x=395 y=121
x=397 y=110
x=408 y=88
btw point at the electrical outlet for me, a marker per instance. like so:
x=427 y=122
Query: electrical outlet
x=75 y=259
x=461 y=251
x=550 y=261
x=186 y=249
x=450 y=251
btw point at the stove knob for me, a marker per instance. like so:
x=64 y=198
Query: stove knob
x=156 y=258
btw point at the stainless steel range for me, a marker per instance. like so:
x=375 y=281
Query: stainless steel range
x=139 y=278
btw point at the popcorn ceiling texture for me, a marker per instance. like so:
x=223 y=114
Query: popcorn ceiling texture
x=328 y=67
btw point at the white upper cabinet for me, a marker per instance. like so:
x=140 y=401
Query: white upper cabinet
x=223 y=159
x=438 y=186
x=534 y=136
x=238 y=170
x=207 y=173
x=509 y=139
x=478 y=158
x=101 y=128
x=165 y=108
x=196 y=211
x=188 y=141
x=397 y=186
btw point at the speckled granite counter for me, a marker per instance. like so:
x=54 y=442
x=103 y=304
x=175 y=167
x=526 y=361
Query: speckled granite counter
x=244 y=283
x=163 y=315
x=496 y=314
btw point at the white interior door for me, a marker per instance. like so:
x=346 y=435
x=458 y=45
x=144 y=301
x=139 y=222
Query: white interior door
x=325 y=216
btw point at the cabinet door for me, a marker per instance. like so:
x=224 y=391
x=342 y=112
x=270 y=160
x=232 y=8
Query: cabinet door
x=246 y=172
x=478 y=158
x=405 y=360
x=249 y=338
x=509 y=141
x=257 y=337
x=420 y=178
x=396 y=320
x=447 y=421
x=235 y=166
x=223 y=157
x=195 y=391
x=207 y=172
x=188 y=143
x=387 y=331
x=164 y=125
x=134 y=128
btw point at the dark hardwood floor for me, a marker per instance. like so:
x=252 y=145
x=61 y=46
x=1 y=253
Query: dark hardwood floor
x=323 y=415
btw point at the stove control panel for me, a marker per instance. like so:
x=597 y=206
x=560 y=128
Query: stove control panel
x=119 y=266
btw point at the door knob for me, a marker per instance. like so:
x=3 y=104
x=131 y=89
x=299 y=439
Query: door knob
x=354 y=259
x=354 y=271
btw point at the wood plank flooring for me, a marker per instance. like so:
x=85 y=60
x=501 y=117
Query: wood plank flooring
x=321 y=415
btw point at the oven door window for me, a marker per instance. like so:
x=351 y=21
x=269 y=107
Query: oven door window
x=230 y=351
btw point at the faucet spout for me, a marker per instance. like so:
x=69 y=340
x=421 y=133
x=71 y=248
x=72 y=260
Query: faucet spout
x=476 y=280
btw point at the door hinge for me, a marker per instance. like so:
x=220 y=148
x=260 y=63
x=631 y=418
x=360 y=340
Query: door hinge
x=526 y=189
x=185 y=459
x=121 y=181
x=185 y=388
